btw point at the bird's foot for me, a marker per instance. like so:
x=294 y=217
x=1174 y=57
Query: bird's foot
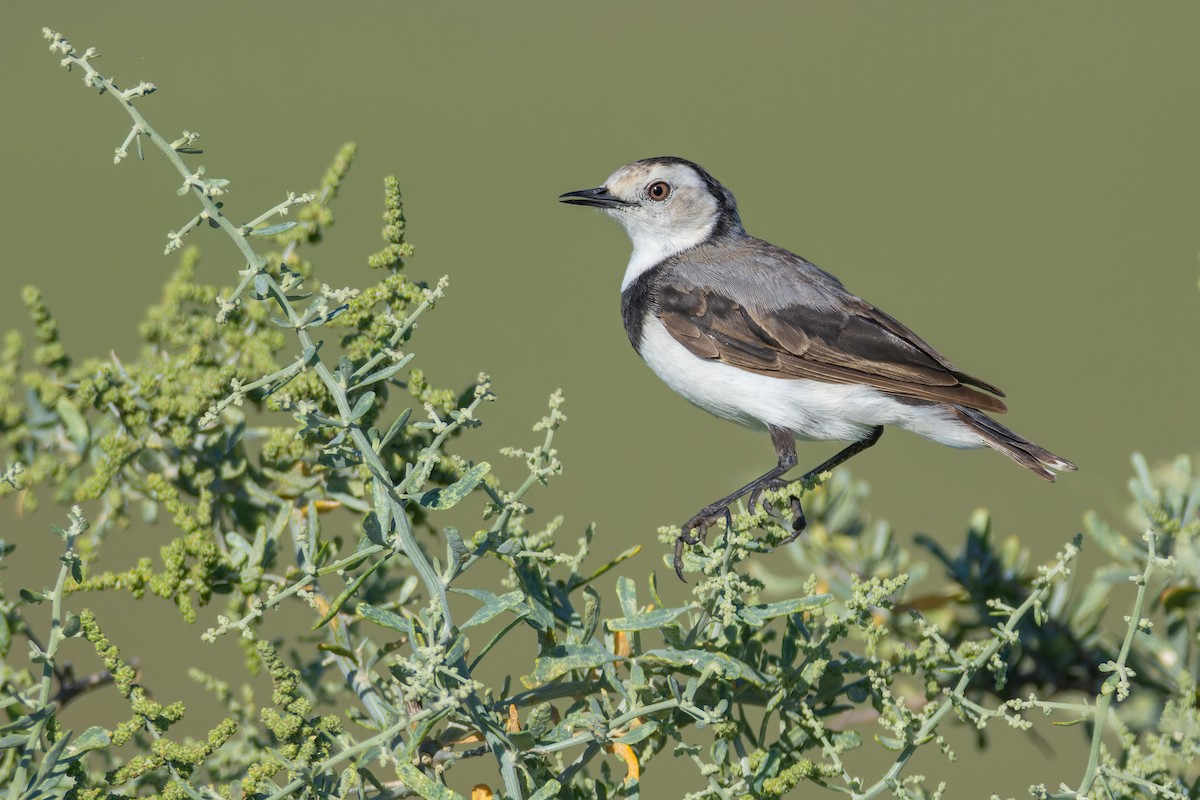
x=696 y=528
x=799 y=523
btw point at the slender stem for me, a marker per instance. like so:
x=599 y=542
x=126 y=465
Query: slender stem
x=1105 y=700
x=48 y=659
x=396 y=338
x=535 y=474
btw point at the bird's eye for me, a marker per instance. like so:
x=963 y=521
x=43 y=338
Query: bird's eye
x=658 y=191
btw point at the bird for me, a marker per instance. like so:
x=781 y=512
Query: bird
x=755 y=334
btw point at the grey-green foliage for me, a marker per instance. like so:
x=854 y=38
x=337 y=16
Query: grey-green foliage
x=258 y=414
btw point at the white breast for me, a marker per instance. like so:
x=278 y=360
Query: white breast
x=810 y=409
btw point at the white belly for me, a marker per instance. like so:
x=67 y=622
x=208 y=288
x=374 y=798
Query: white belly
x=812 y=410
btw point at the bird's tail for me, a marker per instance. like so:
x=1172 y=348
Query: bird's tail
x=1037 y=460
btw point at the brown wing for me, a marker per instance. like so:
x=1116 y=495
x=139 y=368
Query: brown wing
x=852 y=343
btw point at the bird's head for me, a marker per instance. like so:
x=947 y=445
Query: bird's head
x=665 y=204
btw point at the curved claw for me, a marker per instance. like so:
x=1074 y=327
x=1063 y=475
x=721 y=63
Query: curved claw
x=756 y=496
x=799 y=523
x=687 y=536
x=678 y=562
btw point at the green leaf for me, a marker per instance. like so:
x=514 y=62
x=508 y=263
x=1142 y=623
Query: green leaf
x=701 y=661
x=591 y=613
x=53 y=760
x=384 y=618
x=541 y=719
x=457 y=650
x=336 y=649
x=407 y=588
x=362 y=405
x=547 y=790
x=646 y=620
x=30 y=596
x=794 y=606
x=888 y=743
x=627 y=594
x=397 y=426
x=564 y=659
x=1071 y=722
x=493 y=605
x=385 y=373
x=423 y=785
x=637 y=678
x=456 y=548
x=847 y=740
x=26 y=722
x=540 y=617
x=274 y=230
x=379 y=523
x=638 y=733
x=93 y=738
x=13 y=740
x=452 y=495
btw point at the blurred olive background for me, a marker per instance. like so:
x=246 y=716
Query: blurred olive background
x=1016 y=182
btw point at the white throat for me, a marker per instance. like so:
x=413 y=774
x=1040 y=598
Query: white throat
x=651 y=246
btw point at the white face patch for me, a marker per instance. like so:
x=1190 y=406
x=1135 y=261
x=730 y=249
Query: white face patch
x=659 y=229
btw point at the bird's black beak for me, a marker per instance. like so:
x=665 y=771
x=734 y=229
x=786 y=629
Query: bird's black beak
x=597 y=198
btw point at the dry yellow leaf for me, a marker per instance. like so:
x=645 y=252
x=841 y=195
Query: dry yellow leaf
x=633 y=771
x=473 y=737
x=621 y=644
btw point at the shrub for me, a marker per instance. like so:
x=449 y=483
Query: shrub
x=251 y=431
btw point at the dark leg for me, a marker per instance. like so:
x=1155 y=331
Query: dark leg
x=785 y=449
x=799 y=523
